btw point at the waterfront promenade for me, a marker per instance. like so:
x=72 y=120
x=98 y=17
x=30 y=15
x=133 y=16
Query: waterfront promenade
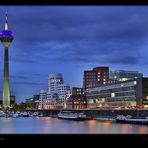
x=96 y=113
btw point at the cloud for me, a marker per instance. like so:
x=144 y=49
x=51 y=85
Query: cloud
x=27 y=83
x=25 y=60
x=76 y=32
x=36 y=74
x=17 y=76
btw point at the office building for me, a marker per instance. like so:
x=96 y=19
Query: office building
x=123 y=75
x=33 y=99
x=128 y=93
x=63 y=91
x=77 y=99
x=99 y=75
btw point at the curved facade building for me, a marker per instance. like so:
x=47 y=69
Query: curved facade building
x=54 y=80
x=57 y=89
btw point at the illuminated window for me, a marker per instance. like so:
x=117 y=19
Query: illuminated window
x=104 y=79
x=112 y=95
x=147 y=97
x=135 y=82
x=104 y=82
x=103 y=100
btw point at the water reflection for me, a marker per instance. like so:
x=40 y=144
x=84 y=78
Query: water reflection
x=107 y=126
x=125 y=128
x=50 y=125
x=6 y=125
x=91 y=122
x=141 y=130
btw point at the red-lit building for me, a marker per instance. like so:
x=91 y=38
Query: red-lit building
x=99 y=75
x=77 y=100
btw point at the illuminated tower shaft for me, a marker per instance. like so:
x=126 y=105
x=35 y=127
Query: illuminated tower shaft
x=6 y=86
x=6 y=38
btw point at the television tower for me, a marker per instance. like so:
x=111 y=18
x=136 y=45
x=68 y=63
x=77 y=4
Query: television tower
x=6 y=38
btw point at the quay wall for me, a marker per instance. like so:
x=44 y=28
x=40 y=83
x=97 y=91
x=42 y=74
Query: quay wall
x=98 y=113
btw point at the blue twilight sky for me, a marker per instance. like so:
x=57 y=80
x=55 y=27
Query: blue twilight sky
x=69 y=40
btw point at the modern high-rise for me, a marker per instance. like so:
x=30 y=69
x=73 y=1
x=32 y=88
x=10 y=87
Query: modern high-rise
x=6 y=38
x=99 y=75
x=123 y=75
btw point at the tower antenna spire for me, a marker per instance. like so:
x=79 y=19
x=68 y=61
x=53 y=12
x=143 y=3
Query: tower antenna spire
x=6 y=22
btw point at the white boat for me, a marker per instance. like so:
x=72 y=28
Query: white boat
x=72 y=115
x=35 y=114
x=2 y=114
x=15 y=115
x=25 y=114
x=133 y=120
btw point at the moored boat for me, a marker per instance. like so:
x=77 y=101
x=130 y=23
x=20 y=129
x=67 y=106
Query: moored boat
x=72 y=115
x=133 y=120
x=15 y=115
x=2 y=114
x=25 y=114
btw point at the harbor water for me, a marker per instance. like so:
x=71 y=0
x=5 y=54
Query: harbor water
x=49 y=125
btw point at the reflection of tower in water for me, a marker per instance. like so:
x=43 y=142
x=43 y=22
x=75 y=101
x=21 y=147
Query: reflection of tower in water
x=6 y=38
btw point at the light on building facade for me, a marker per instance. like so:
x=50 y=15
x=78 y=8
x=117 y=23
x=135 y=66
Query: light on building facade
x=145 y=106
x=103 y=100
x=135 y=82
x=112 y=95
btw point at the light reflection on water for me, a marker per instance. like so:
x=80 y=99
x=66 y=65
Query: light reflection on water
x=48 y=125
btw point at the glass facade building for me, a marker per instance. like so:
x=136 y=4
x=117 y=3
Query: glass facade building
x=123 y=75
